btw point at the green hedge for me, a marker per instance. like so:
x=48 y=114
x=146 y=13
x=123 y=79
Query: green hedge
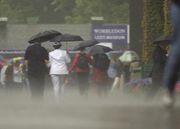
x=155 y=22
x=167 y=20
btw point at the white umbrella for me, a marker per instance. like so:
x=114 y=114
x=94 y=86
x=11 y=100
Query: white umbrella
x=106 y=44
x=129 y=56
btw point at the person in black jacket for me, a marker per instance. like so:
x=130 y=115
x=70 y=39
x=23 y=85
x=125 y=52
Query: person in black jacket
x=159 y=60
x=36 y=58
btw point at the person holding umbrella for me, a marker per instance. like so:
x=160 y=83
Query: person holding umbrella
x=129 y=59
x=100 y=73
x=58 y=60
x=159 y=58
x=80 y=65
x=101 y=64
x=36 y=59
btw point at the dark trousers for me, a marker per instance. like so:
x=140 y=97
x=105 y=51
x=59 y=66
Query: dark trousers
x=36 y=84
x=83 y=82
x=173 y=64
x=13 y=86
x=103 y=88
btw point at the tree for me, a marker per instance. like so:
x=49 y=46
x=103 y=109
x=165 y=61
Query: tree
x=152 y=24
x=14 y=11
x=62 y=8
x=64 y=11
x=136 y=12
x=167 y=21
x=156 y=21
x=18 y=11
x=115 y=11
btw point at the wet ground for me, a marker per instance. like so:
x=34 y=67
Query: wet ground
x=117 y=111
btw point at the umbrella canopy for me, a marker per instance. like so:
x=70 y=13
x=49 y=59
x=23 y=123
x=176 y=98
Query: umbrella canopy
x=106 y=44
x=10 y=61
x=84 y=44
x=98 y=49
x=129 y=56
x=66 y=38
x=44 y=36
x=162 y=39
x=16 y=59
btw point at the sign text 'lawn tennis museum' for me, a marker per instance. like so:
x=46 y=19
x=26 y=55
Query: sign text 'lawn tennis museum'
x=111 y=33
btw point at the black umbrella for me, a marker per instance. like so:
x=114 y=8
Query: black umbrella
x=84 y=44
x=162 y=39
x=44 y=36
x=98 y=49
x=66 y=38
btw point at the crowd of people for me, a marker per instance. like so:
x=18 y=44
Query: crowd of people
x=104 y=71
x=99 y=70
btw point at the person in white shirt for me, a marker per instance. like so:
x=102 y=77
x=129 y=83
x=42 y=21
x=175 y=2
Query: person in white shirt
x=58 y=60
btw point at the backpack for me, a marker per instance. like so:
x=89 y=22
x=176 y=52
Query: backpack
x=83 y=61
x=102 y=61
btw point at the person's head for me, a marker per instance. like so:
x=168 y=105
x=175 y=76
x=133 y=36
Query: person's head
x=57 y=45
x=16 y=63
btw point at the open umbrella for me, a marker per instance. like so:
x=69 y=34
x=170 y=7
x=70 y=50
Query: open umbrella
x=162 y=39
x=99 y=49
x=44 y=36
x=84 y=44
x=66 y=38
x=129 y=56
x=20 y=59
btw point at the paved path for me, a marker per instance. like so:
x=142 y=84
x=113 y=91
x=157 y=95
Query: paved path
x=74 y=112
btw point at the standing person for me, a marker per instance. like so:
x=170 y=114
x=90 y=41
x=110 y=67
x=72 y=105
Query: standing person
x=118 y=66
x=36 y=58
x=80 y=64
x=173 y=63
x=14 y=76
x=159 y=60
x=58 y=60
x=100 y=73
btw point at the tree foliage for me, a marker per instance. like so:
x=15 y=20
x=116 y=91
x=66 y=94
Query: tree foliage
x=167 y=21
x=64 y=11
x=156 y=22
x=19 y=10
x=115 y=11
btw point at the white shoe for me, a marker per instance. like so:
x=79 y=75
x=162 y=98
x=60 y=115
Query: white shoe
x=168 y=100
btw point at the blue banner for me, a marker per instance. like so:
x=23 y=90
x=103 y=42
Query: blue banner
x=111 y=33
